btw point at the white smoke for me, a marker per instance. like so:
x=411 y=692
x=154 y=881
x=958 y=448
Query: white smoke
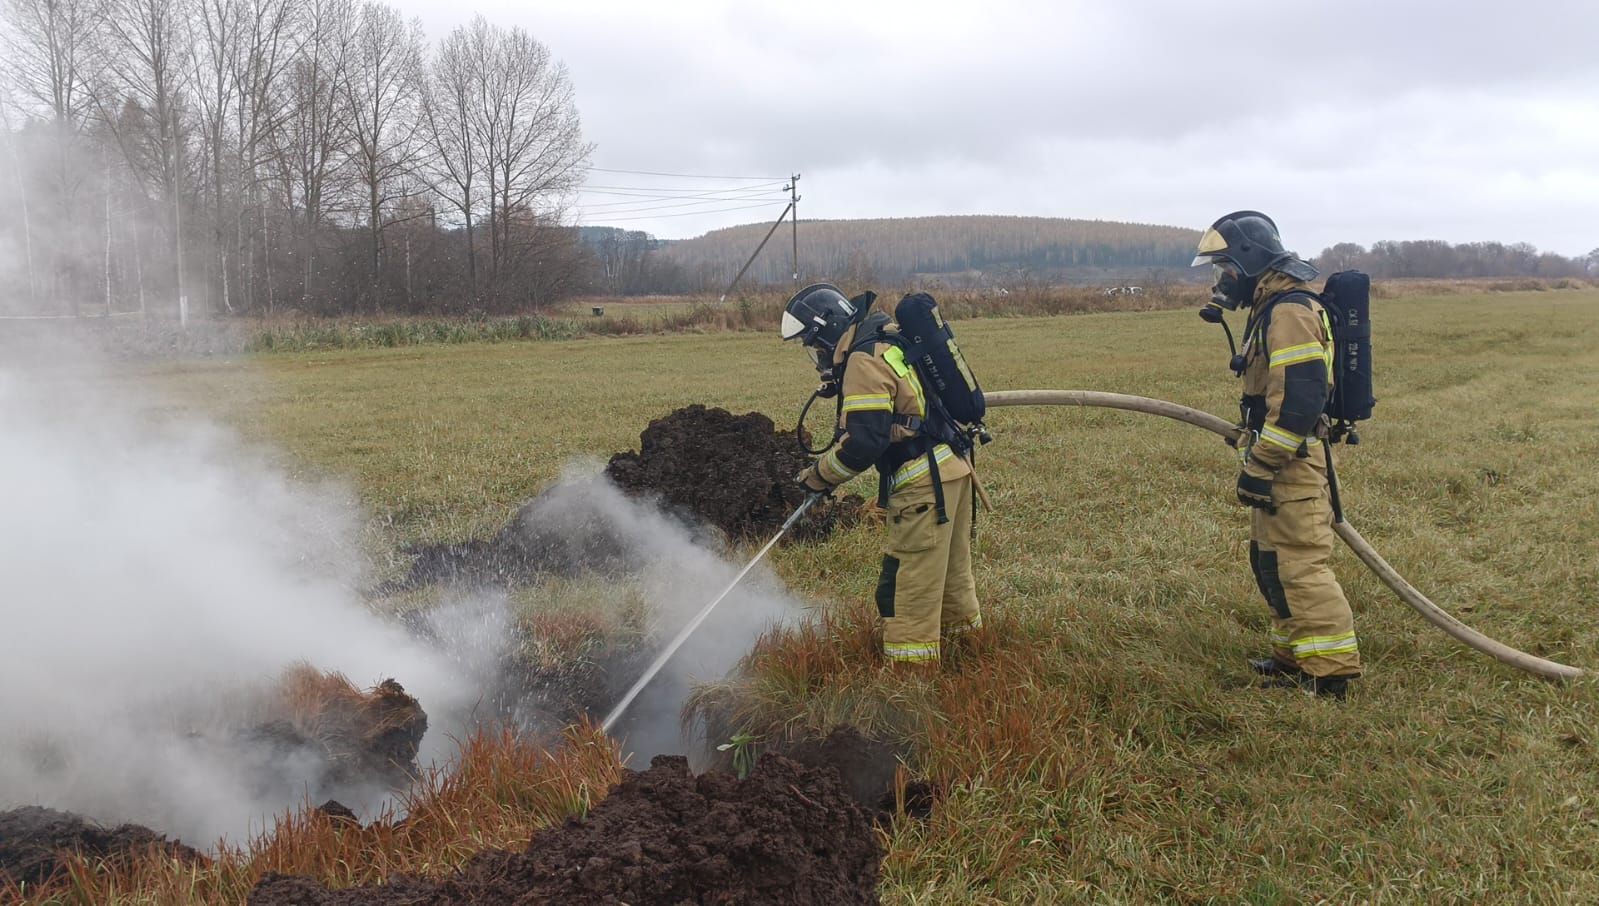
x=155 y=574
x=677 y=574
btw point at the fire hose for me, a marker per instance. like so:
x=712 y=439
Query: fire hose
x=693 y=624
x=1368 y=555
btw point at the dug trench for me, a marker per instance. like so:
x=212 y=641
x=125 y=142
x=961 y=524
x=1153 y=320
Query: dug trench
x=310 y=734
x=799 y=824
x=719 y=478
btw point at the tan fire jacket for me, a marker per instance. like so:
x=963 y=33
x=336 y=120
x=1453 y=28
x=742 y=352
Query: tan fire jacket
x=881 y=391
x=1287 y=378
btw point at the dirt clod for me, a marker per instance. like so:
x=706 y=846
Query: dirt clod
x=355 y=739
x=32 y=839
x=735 y=472
x=786 y=834
x=337 y=812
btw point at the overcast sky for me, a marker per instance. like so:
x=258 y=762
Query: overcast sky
x=1353 y=121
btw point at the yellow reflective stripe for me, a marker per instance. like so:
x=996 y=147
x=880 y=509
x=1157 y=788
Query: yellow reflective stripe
x=960 y=626
x=911 y=651
x=918 y=467
x=1285 y=439
x=868 y=402
x=834 y=471
x=895 y=357
x=1324 y=645
x=1326 y=325
x=1304 y=352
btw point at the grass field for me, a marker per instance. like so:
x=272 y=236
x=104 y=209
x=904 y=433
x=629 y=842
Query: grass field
x=1108 y=745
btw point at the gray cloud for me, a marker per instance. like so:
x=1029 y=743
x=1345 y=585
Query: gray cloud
x=1356 y=120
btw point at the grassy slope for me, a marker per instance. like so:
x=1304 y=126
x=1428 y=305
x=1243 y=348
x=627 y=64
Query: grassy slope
x=1109 y=746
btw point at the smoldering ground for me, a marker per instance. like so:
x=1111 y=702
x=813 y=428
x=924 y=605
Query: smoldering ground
x=641 y=575
x=157 y=578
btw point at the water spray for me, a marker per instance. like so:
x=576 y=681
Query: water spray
x=688 y=630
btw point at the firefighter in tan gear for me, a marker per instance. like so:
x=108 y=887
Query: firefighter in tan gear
x=1286 y=366
x=925 y=592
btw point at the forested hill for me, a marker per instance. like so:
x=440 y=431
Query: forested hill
x=894 y=248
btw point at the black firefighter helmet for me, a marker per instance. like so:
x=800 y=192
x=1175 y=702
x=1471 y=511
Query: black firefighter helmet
x=1241 y=246
x=1246 y=239
x=817 y=316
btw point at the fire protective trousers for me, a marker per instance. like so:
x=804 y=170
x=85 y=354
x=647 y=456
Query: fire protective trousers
x=1312 y=626
x=926 y=589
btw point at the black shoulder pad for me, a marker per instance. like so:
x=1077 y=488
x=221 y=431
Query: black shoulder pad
x=1297 y=296
x=1298 y=269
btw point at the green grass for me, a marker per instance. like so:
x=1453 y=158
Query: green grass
x=1109 y=746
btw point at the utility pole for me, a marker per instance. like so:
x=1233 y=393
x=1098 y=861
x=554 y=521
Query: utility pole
x=793 y=207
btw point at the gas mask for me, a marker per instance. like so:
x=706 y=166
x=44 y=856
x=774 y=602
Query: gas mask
x=822 y=359
x=1230 y=290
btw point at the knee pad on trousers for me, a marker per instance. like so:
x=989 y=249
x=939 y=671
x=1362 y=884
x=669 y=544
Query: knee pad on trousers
x=885 y=586
x=1264 y=564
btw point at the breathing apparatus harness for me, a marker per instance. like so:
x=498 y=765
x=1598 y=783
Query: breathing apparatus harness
x=1346 y=312
x=937 y=425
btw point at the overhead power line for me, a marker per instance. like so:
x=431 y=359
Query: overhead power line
x=663 y=207
x=692 y=189
x=679 y=175
x=679 y=196
x=749 y=207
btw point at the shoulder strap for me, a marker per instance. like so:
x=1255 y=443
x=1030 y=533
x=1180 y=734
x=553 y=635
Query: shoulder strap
x=1263 y=320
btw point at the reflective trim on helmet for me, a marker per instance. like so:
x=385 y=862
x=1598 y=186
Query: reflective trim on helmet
x=1211 y=242
x=792 y=326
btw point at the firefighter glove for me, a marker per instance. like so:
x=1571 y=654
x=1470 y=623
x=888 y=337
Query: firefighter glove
x=1254 y=486
x=813 y=481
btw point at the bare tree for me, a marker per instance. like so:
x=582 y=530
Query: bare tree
x=147 y=68
x=448 y=106
x=22 y=198
x=528 y=126
x=49 y=53
x=267 y=31
x=216 y=55
x=315 y=139
x=384 y=92
x=49 y=58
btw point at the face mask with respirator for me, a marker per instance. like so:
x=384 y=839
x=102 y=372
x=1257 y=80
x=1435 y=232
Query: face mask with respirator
x=1229 y=290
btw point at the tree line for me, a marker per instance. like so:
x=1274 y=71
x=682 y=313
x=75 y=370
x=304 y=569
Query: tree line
x=901 y=249
x=983 y=250
x=253 y=156
x=1436 y=258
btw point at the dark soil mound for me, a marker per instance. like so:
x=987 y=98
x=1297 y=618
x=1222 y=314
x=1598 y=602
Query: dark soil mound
x=530 y=545
x=735 y=472
x=787 y=834
x=718 y=473
x=32 y=839
x=323 y=734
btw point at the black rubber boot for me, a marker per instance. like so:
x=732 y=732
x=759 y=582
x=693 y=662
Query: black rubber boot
x=1270 y=666
x=1333 y=687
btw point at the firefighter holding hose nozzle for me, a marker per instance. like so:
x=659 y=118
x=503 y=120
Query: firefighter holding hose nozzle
x=1286 y=362
x=890 y=418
